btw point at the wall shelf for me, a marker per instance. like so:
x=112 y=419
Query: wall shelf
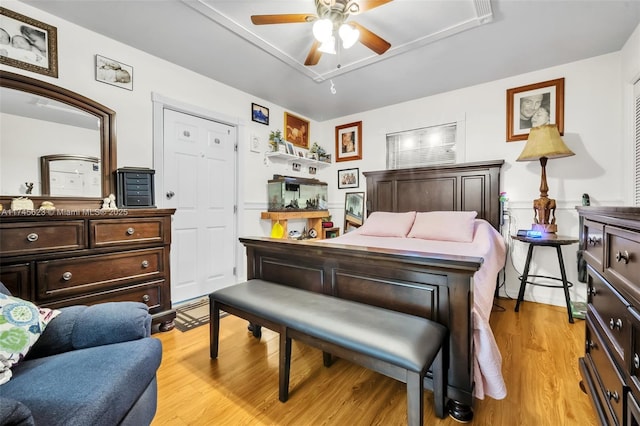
x=288 y=158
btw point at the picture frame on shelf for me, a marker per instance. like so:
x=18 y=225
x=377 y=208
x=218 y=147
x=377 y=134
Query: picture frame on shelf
x=534 y=105
x=114 y=72
x=349 y=142
x=290 y=148
x=300 y=153
x=348 y=178
x=259 y=114
x=41 y=39
x=312 y=170
x=296 y=130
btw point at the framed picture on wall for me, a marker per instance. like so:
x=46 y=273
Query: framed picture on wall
x=296 y=130
x=28 y=44
x=534 y=105
x=113 y=72
x=349 y=142
x=353 y=210
x=259 y=114
x=348 y=178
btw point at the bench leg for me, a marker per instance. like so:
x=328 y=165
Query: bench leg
x=327 y=359
x=214 y=328
x=415 y=402
x=439 y=384
x=285 y=365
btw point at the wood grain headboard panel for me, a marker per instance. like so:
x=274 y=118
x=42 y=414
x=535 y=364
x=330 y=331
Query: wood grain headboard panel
x=457 y=187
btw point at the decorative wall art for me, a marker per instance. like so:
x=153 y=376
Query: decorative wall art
x=349 y=142
x=114 y=72
x=28 y=44
x=296 y=130
x=259 y=114
x=348 y=178
x=534 y=105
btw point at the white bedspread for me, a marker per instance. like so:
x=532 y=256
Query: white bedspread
x=488 y=244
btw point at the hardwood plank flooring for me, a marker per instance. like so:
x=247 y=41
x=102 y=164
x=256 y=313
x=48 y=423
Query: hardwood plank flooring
x=540 y=351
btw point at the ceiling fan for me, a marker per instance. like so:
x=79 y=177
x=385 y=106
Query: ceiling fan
x=330 y=20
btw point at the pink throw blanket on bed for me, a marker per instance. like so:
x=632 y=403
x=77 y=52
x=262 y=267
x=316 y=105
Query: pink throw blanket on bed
x=488 y=244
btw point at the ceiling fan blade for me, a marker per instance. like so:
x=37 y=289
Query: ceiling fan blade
x=314 y=54
x=291 y=18
x=371 y=40
x=370 y=4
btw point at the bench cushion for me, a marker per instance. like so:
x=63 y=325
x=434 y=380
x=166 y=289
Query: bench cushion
x=404 y=340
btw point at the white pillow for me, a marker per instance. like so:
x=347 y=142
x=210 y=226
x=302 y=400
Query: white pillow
x=444 y=226
x=21 y=324
x=387 y=224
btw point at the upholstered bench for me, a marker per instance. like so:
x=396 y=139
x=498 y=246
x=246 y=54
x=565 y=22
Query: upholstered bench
x=398 y=345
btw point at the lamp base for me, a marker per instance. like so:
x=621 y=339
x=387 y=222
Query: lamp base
x=546 y=228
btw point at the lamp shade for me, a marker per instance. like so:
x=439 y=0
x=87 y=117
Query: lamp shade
x=544 y=141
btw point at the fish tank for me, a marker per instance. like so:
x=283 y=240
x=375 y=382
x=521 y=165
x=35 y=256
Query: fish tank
x=288 y=193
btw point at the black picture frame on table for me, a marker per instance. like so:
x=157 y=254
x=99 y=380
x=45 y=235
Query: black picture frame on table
x=259 y=114
x=348 y=178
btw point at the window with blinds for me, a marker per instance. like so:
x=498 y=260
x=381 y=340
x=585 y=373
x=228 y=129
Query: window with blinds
x=427 y=146
x=636 y=95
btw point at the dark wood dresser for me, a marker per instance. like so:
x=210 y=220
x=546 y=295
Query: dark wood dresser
x=610 y=240
x=73 y=257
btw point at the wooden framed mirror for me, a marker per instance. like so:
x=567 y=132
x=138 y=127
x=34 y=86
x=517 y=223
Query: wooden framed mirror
x=40 y=119
x=353 y=210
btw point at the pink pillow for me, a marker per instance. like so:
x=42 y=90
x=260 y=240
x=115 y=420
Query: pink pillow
x=387 y=224
x=444 y=226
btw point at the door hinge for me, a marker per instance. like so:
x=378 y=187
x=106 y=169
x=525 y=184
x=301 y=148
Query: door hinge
x=234 y=270
x=235 y=147
x=235 y=209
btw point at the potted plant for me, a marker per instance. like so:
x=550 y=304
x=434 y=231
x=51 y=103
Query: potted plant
x=275 y=139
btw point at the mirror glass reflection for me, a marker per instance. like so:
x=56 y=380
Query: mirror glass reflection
x=353 y=210
x=33 y=127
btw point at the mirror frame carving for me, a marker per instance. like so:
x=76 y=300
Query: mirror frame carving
x=107 y=138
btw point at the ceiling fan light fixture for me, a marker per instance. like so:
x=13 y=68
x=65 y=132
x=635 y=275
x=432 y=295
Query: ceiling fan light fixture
x=322 y=29
x=328 y=46
x=348 y=35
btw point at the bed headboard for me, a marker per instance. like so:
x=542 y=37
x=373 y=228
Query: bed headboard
x=464 y=187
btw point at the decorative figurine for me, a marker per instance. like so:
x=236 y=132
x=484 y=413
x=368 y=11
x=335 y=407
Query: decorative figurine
x=109 y=203
x=21 y=203
x=29 y=186
x=47 y=205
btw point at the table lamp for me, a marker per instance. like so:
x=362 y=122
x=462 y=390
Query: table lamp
x=544 y=142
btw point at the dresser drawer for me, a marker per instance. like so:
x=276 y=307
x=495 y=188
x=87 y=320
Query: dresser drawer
x=17 y=279
x=622 y=259
x=63 y=278
x=107 y=233
x=37 y=237
x=633 y=363
x=610 y=311
x=610 y=386
x=594 y=243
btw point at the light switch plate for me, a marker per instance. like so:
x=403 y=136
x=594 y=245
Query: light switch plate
x=254 y=143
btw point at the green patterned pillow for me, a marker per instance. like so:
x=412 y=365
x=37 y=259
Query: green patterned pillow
x=21 y=324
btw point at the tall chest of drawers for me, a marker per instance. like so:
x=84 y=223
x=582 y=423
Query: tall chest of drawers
x=62 y=258
x=610 y=240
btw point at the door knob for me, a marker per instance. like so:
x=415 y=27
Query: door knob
x=170 y=195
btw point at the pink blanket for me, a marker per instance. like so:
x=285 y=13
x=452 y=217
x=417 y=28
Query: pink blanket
x=488 y=244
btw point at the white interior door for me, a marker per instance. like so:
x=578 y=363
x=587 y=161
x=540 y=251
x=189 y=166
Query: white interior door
x=199 y=182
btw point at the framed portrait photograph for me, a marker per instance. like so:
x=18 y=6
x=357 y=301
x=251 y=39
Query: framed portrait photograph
x=296 y=130
x=353 y=210
x=259 y=114
x=113 y=72
x=348 y=178
x=534 y=105
x=290 y=148
x=349 y=142
x=28 y=44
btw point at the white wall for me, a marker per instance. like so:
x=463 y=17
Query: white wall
x=596 y=129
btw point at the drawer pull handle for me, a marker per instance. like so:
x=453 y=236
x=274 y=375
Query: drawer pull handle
x=146 y=298
x=594 y=241
x=130 y=231
x=636 y=361
x=592 y=291
x=590 y=344
x=32 y=237
x=613 y=395
x=145 y=263
x=613 y=324
x=67 y=276
x=622 y=256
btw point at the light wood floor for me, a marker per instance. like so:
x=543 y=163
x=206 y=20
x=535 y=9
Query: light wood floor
x=540 y=352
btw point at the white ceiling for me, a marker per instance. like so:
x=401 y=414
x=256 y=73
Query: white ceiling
x=437 y=45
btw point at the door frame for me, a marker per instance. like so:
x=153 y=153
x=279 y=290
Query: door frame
x=160 y=103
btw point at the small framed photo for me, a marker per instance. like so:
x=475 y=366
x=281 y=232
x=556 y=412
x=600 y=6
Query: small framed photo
x=290 y=148
x=296 y=130
x=349 y=142
x=534 y=105
x=348 y=178
x=113 y=72
x=259 y=114
x=312 y=170
x=295 y=167
x=28 y=44
x=300 y=153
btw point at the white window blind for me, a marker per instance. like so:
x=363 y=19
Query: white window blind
x=636 y=95
x=426 y=146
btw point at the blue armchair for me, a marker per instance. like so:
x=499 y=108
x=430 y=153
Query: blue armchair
x=93 y=365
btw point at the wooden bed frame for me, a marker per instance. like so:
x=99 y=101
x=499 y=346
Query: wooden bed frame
x=437 y=287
